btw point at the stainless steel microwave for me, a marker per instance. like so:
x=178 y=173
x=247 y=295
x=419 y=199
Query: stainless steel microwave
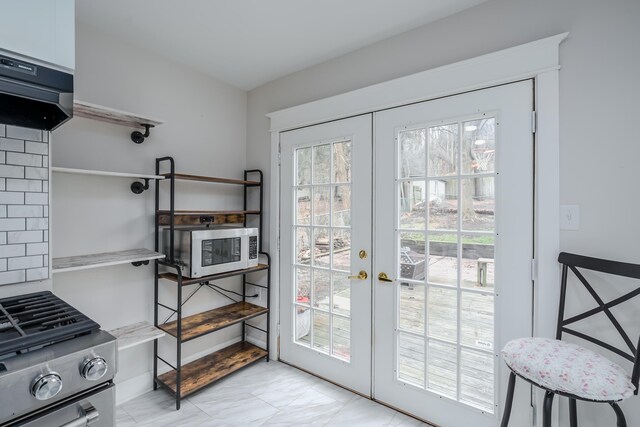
x=205 y=251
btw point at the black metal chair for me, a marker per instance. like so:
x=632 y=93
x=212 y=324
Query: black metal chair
x=569 y=370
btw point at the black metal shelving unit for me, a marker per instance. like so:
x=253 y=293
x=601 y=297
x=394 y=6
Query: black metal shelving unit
x=182 y=380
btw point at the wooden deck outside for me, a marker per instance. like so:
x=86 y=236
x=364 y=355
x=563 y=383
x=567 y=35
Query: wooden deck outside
x=438 y=307
x=439 y=311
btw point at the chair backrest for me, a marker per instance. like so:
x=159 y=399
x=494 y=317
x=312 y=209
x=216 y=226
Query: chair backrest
x=572 y=262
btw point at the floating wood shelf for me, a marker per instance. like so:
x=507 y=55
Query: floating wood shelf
x=138 y=333
x=111 y=115
x=213 y=367
x=105 y=259
x=187 y=177
x=213 y=320
x=188 y=281
x=105 y=173
x=186 y=217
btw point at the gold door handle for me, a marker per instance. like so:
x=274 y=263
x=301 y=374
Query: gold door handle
x=384 y=278
x=362 y=275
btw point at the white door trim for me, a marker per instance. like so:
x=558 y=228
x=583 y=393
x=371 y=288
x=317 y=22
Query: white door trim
x=504 y=66
x=538 y=60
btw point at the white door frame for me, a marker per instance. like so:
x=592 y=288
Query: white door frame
x=538 y=60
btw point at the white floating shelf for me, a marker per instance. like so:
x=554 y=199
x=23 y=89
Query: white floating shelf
x=83 y=262
x=105 y=173
x=138 y=333
x=110 y=115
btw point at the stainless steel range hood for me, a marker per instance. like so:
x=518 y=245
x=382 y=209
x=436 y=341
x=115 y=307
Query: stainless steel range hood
x=33 y=95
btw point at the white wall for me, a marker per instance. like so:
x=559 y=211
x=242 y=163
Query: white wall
x=204 y=130
x=598 y=94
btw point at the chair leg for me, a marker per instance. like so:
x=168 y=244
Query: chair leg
x=509 y=402
x=546 y=412
x=619 y=415
x=573 y=413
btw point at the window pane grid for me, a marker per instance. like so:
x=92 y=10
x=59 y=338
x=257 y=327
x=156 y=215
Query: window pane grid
x=470 y=290
x=450 y=226
x=445 y=177
x=410 y=230
x=444 y=341
x=322 y=209
x=335 y=227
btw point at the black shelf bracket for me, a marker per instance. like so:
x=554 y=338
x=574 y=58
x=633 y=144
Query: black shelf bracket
x=138 y=137
x=139 y=263
x=137 y=187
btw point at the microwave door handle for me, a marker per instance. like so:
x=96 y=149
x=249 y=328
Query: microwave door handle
x=89 y=416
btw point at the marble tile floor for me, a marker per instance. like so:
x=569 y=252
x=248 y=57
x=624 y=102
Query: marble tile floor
x=264 y=394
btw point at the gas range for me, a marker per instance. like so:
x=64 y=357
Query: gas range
x=56 y=365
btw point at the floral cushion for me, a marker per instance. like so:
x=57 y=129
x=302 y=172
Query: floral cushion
x=567 y=368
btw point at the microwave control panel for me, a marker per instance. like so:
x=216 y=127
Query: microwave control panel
x=253 y=247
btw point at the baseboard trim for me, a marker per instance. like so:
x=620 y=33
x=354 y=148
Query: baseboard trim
x=133 y=387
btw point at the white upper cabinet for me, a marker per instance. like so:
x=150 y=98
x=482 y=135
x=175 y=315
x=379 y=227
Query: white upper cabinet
x=39 y=29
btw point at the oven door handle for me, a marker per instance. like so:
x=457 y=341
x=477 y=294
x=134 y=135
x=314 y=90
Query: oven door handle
x=89 y=416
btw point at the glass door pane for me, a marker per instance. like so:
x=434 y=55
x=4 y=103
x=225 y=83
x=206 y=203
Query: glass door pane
x=445 y=188
x=322 y=260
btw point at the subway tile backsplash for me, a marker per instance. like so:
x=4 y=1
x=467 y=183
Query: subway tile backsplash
x=24 y=204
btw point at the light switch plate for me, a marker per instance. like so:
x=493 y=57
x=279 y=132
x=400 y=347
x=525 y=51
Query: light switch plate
x=569 y=217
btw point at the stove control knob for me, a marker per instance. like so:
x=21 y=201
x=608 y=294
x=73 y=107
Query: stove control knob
x=46 y=386
x=94 y=369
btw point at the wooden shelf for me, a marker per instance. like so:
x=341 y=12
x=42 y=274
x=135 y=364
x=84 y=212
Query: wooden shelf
x=138 y=333
x=105 y=173
x=213 y=320
x=206 y=370
x=111 y=115
x=191 y=217
x=188 y=281
x=105 y=259
x=213 y=367
x=187 y=177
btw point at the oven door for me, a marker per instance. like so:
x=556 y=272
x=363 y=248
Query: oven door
x=95 y=408
x=218 y=251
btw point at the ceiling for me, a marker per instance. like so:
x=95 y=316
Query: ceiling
x=247 y=43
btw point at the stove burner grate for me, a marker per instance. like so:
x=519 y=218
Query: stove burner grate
x=34 y=320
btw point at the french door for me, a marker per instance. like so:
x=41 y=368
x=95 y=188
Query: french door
x=414 y=224
x=453 y=249
x=325 y=298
